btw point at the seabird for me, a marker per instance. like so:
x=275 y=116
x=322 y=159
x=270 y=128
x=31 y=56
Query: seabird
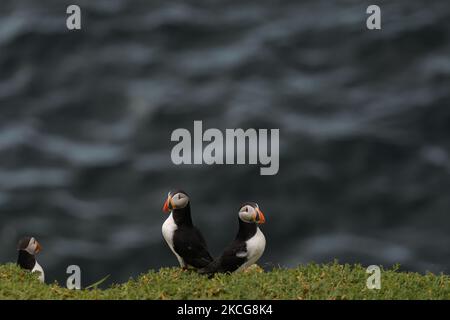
x=246 y=248
x=183 y=238
x=28 y=248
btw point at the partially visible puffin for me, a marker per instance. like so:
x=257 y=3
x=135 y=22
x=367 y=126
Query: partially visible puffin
x=28 y=248
x=183 y=238
x=247 y=247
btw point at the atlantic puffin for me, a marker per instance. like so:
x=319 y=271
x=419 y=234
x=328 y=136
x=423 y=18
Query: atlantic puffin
x=28 y=248
x=246 y=248
x=183 y=238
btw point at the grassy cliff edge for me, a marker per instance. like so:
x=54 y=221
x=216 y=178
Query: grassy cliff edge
x=312 y=281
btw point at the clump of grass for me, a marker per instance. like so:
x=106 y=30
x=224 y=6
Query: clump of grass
x=312 y=281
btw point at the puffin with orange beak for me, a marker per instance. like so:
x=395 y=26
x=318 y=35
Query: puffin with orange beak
x=183 y=238
x=28 y=248
x=246 y=248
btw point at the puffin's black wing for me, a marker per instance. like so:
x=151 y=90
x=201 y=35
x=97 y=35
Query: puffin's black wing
x=231 y=259
x=26 y=260
x=191 y=246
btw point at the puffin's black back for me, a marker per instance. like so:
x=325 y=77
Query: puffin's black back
x=26 y=260
x=229 y=261
x=188 y=242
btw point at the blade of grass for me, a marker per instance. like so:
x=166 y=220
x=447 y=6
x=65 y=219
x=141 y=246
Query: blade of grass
x=96 y=284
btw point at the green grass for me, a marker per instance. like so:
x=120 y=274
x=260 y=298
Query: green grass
x=313 y=281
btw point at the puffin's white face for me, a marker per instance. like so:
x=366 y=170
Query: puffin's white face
x=251 y=213
x=176 y=200
x=33 y=247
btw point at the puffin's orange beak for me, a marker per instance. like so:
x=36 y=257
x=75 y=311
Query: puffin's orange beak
x=38 y=247
x=260 y=219
x=167 y=205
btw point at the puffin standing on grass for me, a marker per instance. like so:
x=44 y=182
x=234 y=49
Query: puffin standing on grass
x=247 y=247
x=183 y=238
x=28 y=248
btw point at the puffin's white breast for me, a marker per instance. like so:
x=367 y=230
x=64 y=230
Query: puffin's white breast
x=255 y=248
x=37 y=268
x=168 y=229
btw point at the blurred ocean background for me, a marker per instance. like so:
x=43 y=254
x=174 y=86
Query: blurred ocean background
x=364 y=119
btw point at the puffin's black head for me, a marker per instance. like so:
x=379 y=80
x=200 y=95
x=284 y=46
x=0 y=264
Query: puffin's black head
x=30 y=245
x=176 y=200
x=250 y=213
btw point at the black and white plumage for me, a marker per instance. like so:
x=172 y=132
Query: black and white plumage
x=183 y=238
x=246 y=248
x=28 y=248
